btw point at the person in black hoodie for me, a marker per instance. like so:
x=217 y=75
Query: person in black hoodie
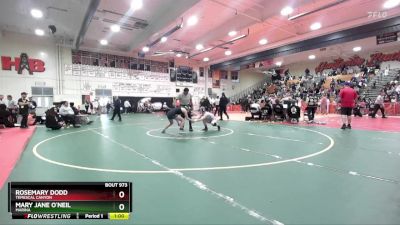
x=223 y=103
x=53 y=119
x=117 y=109
x=5 y=116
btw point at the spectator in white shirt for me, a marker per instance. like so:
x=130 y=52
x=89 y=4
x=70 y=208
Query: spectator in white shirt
x=67 y=114
x=12 y=107
x=127 y=106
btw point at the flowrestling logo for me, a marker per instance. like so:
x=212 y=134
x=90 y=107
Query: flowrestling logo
x=23 y=62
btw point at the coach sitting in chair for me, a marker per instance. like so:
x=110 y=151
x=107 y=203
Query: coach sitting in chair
x=5 y=116
x=293 y=112
x=67 y=114
x=255 y=110
x=266 y=110
x=278 y=110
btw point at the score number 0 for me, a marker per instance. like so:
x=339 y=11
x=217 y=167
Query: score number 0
x=121 y=206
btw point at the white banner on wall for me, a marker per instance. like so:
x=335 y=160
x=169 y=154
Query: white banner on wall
x=123 y=82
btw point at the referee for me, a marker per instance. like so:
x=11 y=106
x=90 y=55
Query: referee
x=185 y=100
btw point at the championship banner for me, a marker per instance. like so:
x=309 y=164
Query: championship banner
x=216 y=79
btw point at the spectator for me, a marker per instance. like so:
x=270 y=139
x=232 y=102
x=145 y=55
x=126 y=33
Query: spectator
x=5 y=116
x=216 y=105
x=53 y=119
x=32 y=109
x=2 y=101
x=12 y=107
x=67 y=114
x=223 y=103
x=117 y=109
x=23 y=103
x=87 y=104
x=324 y=105
x=278 y=110
x=108 y=107
x=96 y=107
x=127 y=106
x=72 y=105
x=312 y=104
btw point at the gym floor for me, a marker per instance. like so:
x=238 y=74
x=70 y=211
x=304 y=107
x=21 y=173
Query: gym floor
x=248 y=173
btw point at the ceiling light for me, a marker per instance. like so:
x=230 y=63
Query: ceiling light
x=278 y=63
x=228 y=52
x=311 y=57
x=315 y=26
x=164 y=39
x=206 y=59
x=39 y=32
x=145 y=49
x=391 y=3
x=286 y=11
x=136 y=4
x=103 y=42
x=232 y=33
x=115 y=28
x=263 y=41
x=199 y=47
x=179 y=55
x=357 y=49
x=36 y=13
x=192 y=20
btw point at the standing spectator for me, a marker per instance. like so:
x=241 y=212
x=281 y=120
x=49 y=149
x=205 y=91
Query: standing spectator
x=347 y=100
x=12 y=107
x=91 y=107
x=32 y=109
x=108 y=107
x=223 y=103
x=96 y=107
x=324 y=105
x=127 y=106
x=87 y=104
x=312 y=104
x=23 y=104
x=117 y=109
x=216 y=104
x=379 y=105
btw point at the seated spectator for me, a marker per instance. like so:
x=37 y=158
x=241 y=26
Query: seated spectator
x=67 y=114
x=294 y=112
x=255 y=110
x=278 y=110
x=76 y=111
x=5 y=116
x=357 y=110
x=2 y=100
x=53 y=120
